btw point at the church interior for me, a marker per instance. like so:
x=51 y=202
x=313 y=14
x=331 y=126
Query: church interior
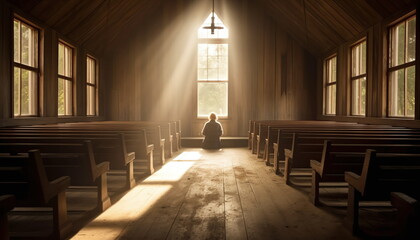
x=103 y=103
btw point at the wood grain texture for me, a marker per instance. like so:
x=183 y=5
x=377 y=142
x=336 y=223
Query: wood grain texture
x=224 y=194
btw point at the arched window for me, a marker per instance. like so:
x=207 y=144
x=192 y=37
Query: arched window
x=212 y=69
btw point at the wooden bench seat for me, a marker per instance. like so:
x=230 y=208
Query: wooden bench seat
x=75 y=160
x=382 y=173
x=7 y=203
x=338 y=158
x=306 y=147
x=25 y=177
x=107 y=148
x=135 y=142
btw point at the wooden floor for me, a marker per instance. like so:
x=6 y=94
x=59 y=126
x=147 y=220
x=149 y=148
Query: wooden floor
x=225 y=194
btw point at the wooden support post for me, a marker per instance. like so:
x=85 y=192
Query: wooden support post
x=104 y=201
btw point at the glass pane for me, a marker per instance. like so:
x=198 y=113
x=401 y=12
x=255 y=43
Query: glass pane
x=61 y=97
x=396 y=93
x=358 y=103
x=398 y=45
x=212 y=97
x=91 y=70
x=411 y=40
x=68 y=96
x=16 y=92
x=331 y=70
x=28 y=93
x=218 y=33
x=61 y=59
x=91 y=101
x=411 y=77
x=25 y=42
x=331 y=99
x=363 y=57
x=16 y=40
x=68 y=53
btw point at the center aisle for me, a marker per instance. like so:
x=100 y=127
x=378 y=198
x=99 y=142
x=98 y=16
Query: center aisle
x=225 y=194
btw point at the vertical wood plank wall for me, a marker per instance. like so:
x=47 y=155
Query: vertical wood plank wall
x=157 y=64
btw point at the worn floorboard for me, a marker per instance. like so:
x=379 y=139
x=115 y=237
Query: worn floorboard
x=226 y=194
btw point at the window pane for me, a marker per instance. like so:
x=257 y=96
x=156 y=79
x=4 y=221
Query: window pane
x=212 y=97
x=411 y=41
x=331 y=70
x=28 y=97
x=91 y=110
x=411 y=77
x=398 y=45
x=396 y=91
x=331 y=101
x=16 y=91
x=16 y=40
x=212 y=62
x=61 y=96
x=358 y=96
x=61 y=59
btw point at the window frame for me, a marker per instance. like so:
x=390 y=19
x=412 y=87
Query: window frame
x=404 y=66
x=70 y=79
x=35 y=70
x=95 y=85
x=329 y=84
x=357 y=77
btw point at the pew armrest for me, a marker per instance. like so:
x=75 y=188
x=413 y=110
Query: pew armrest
x=100 y=169
x=58 y=185
x=162 y=142
x=316 y=166
x=403 y=202
x=288 y=153
x=354 y=180
x=150 y=148
x=7 y=203
x=130 y=157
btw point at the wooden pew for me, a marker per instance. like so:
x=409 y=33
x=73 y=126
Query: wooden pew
x=273 y=138
x=74 y=160
x=7 y=203
x=306 y=147
x=25 y=177
x=382 y=173
x=408 y=215
x=135 y=141
x=106 y=147
x=338 y=158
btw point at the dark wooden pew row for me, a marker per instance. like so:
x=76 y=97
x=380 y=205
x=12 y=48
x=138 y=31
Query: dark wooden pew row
x=165 y=129
x=7 y=203
x=262 y=132
x=382 y=173
x=152 y=130
x=261 y=129
x=306 y=147
x=106 y=147
x=337 y=158
x=408 y=216
x=25 y=177
x=135 y=141
x=276 y=135
x=75 y=160
x=286 y=138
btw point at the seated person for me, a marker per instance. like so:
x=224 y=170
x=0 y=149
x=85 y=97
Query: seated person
x=212 y=131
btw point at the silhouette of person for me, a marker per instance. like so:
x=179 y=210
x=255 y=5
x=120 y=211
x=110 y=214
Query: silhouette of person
x=212 y=131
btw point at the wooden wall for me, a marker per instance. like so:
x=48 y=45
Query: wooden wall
x=48 y=96
x=377 y=56
x=152 y=69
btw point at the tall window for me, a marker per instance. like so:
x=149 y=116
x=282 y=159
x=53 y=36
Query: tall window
x=330 y=87
x=401 y=70
x=212 y=68
x=25 y=68
x=358 y=79
x=91 y=86
x=65 y=80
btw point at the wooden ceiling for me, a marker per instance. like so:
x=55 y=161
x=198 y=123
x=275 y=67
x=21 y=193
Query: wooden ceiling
x=319 y=25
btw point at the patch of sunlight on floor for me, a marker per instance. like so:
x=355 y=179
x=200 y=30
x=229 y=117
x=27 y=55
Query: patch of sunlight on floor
x=138 y=200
